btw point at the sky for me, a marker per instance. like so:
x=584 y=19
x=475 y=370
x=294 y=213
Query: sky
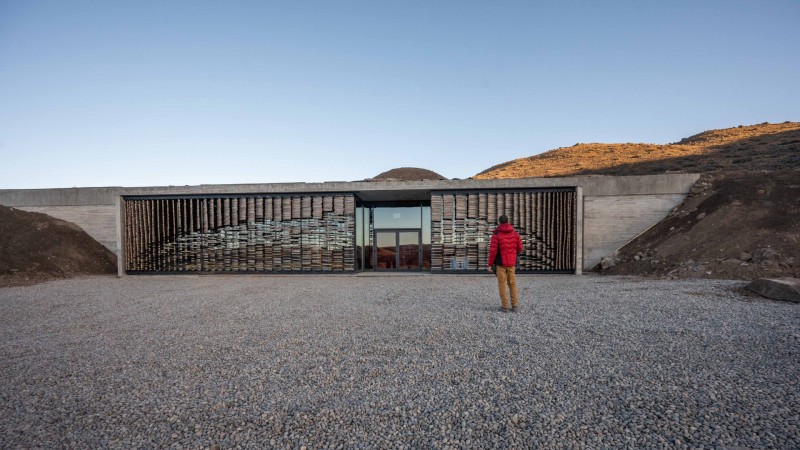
x=144 y=93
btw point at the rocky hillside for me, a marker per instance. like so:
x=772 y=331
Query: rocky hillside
x=741 y=220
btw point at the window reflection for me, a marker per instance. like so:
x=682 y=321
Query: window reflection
x=403 y=217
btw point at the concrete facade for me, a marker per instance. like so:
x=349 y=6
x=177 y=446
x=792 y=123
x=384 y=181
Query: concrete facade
x=613 y=209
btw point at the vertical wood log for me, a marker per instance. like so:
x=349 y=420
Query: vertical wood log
x=559 y=230
x=568 y=218
x=226 y=212
x=566 y=228
x=174 y=233
x=316 y=207
x=204 y=241
x=146 y=231
x=163 y=230
x=571 y=225
x=161 y=233
x=550 y=229
x=234 y=212
x=574 y=230
x=151 y=225
x=140 y=236
x=538 y=226
x=156 y=235
x=162 y=247
x=305 y=207
x=259 y=209
x=134 y=255
x=126 y=265
x=126 y=224
x=509 y=201
x=169 y=226
x=135 y=236
x=563 y=228
x=297 y=208
x=268 y=209
x=287 y=208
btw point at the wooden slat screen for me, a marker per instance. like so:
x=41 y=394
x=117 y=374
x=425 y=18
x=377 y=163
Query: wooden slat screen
x=259 y=233
x=462 y=225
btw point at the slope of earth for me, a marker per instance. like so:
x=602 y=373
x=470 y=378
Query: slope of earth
x=35 y=247
x=732 y=225
x=756 y=147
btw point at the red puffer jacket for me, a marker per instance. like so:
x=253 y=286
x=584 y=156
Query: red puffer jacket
x=508 y=241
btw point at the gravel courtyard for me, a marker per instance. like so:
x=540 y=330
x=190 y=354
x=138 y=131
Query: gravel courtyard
x=419 y=361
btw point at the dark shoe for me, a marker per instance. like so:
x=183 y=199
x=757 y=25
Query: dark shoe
x=503 y=309
x=514 y=309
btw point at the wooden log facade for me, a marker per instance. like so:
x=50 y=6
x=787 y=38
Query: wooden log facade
x=462 y=225
x=259 y=233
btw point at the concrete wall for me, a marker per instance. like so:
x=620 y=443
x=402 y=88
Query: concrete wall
x=610 y=222
x=99 y=221
x=615 y=209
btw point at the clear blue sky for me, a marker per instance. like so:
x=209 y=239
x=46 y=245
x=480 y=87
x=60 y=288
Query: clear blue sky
x=133 y=93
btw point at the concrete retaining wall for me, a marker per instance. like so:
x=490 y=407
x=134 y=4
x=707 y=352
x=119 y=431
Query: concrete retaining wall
x=615 y=209
x=99 y=221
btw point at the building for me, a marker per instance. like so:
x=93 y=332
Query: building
x=439 y=226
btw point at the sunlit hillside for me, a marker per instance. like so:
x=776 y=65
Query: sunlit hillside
x=757 y=147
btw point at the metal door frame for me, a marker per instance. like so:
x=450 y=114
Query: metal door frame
x=396 y=232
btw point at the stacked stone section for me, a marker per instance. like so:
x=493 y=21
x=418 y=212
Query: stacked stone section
x=462 y=225
x=257 y=233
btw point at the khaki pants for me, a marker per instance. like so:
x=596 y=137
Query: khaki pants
x=505 y=276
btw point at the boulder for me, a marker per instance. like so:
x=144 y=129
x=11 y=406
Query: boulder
x=607 y=262
x=786 y=289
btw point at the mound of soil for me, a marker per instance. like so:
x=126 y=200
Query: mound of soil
x=408 y=174
x=35 y=247
x=732 y=225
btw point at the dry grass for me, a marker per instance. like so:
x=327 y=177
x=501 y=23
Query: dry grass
x=756 y=147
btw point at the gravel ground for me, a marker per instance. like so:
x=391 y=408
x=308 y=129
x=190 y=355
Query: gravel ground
x=396 y=362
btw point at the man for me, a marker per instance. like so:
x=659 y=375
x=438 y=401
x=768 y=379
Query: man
x=503 y=249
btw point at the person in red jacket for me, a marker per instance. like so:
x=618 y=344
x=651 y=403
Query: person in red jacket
x=503 y=249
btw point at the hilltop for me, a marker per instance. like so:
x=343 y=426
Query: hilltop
x=741 y=219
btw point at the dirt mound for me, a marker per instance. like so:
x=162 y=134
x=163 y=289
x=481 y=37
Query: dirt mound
x=408 y=174
x=35 y=247
x=732 y=225
x=757 y=147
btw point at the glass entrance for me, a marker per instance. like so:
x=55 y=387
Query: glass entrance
x=398 y=249
x=392 y=236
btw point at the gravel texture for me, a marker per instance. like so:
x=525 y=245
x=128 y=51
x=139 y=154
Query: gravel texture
x=420 y=361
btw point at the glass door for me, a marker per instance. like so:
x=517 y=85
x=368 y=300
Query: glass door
x=398 y=249
x=408 y=250
x=386 y=248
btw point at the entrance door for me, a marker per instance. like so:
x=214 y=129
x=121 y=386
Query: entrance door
x=398 y=249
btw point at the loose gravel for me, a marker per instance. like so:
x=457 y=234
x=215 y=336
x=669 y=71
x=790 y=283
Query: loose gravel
x=421 y=361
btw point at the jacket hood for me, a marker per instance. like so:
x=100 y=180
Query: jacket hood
x=504 y=228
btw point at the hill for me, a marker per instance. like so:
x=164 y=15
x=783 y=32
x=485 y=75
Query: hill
x=407 y=174
x=751 y=148
x=741 y=220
